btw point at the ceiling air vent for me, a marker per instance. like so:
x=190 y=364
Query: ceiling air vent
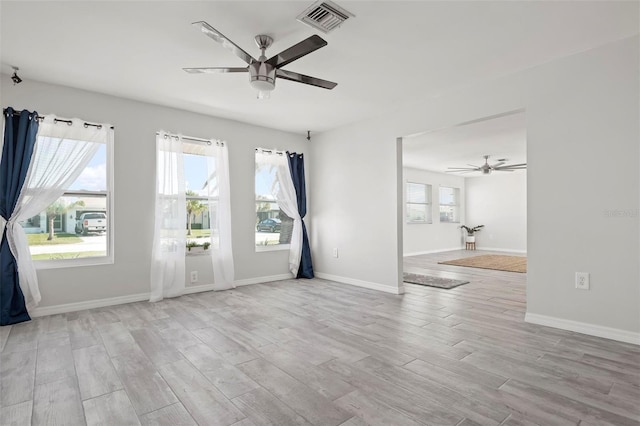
x=324 y=16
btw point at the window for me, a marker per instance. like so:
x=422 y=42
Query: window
x=198 y=198
x=78 y=224
x=449 y=204
x=272 y=226
x=418 y=203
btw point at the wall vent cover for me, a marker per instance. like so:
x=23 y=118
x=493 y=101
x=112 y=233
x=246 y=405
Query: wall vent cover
x=325 y=16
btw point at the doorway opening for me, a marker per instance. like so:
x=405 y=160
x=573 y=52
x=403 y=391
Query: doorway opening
x=464 y=210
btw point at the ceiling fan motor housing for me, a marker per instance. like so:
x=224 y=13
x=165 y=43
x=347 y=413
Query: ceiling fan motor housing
x=262 y=76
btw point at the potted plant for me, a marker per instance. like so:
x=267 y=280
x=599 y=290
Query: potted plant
x=471 y=238
x=194 y=247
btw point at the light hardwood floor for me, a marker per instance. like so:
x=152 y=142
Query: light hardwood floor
x=320 y=353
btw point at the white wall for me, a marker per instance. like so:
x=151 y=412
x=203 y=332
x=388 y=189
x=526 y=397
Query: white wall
x=135 y=126
x=499 y=202
x=419 y=238
x=583 y=160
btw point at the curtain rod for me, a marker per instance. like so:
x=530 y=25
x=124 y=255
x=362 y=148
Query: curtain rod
x=194 y=139
x=270 y=151
x=57 y=120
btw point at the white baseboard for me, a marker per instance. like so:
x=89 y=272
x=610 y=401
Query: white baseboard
x=502 y=250
x=267 y=279
x=198 y=288
x=417 y=253
x=89 y=304
x=360 y=283
x=121 y=300
x=584 y=328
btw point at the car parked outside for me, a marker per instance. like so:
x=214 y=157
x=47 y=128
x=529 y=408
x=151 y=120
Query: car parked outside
x=269 y=225
x=91 y=222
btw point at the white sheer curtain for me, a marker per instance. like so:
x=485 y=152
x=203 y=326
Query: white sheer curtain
x=169 y=239
x=219 y=195
x=285 y=194
x=61 y=153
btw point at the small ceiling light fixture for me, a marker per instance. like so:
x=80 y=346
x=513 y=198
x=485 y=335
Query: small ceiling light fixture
x=14 y=77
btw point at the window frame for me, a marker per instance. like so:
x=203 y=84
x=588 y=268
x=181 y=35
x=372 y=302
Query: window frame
x=191 y=146
x=427 y=203
x=272 y=247
x=206 y=200
x=455 y=204
x=110 y=234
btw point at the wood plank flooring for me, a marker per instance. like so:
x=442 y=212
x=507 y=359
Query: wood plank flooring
x=314 y=352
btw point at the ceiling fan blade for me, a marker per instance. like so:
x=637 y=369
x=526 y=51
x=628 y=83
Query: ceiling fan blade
x=297 y=51
x=511 y=166
x=216 y=35
x=473 y=165
x=504 y=170
x=214 y=70
x=498 y=164
x=301 y=78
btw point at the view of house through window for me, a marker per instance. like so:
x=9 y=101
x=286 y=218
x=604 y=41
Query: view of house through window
x=449 y=204
x=418 y=203
x=272 y=226
x=75 y=225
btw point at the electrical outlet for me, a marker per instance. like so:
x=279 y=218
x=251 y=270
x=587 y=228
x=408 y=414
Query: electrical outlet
x=335 y=252
x=582 y=280
x=194 y=276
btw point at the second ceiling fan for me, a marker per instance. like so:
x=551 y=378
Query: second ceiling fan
x=487 y=168
x=263 y=71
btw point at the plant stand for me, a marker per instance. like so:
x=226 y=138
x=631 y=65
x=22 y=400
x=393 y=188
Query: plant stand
x=470 y=242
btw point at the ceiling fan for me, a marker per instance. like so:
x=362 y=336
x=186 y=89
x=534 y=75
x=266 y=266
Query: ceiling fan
x=263 y=71
x=487 y=168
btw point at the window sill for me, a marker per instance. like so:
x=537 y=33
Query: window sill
x=73 y=263
x=196 y=253
x=274 y=247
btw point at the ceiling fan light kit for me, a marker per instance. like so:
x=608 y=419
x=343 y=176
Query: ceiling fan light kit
x=262 y=71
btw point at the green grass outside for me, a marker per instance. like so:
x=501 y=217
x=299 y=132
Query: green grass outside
x=71 y=255
x=58 y=238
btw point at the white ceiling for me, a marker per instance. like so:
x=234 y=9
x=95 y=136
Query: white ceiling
x=501 y=137
x=390 y=53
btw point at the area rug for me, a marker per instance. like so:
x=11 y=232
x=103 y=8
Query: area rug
x=431 y=281
x=496 y=262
